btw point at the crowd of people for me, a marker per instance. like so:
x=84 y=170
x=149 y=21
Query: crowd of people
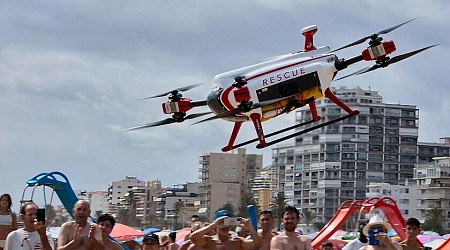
x=81 y=234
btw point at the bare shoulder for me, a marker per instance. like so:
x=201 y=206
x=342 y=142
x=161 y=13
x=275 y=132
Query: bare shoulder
x=113 y=246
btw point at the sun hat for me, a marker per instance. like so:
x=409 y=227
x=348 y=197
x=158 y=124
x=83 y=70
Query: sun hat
x=376 y=220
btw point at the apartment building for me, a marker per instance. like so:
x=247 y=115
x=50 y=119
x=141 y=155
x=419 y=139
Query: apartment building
x=406 y=196
x=187 y=194
x=225 y=178
x=327 y=166
x=263 y=186
x=434 y=184
x=118 y=189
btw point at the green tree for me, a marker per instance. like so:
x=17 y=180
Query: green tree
x=98 y=213
x=178 y=207
x=434 y=219
x=277 y=208
x=130 y=200
x=229 y=207
x=123 y=216
x=247 y=199
x=307 y=216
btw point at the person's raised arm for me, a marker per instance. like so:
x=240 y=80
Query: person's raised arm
x=255 y=242
x=40 y=228
x=198 y=236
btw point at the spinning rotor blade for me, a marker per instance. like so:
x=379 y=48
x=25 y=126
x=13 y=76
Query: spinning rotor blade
x=169 y=121
x=385 y=31
x=181 y=89
x=409 y=54
x=361 y=71
x=192 y=116
x=240 y=110
x=385 y=63
x=154 y=124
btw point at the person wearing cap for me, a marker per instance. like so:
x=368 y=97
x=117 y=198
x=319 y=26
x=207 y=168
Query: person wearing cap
x=168 y=241
x=290 y=239
x=150 y=242
x=412 y=229
x=376 y=222
x=359 y=242
x=222 y=239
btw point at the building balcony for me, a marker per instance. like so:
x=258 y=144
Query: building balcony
x=434 y=196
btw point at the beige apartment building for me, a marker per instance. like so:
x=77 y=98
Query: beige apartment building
x=226 y=178
x=434 y=184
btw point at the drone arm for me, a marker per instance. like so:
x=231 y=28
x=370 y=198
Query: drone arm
x=341 y=64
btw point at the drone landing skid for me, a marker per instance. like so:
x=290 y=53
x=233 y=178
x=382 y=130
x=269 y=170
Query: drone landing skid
x=227 y=148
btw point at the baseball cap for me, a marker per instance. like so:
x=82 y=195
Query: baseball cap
x=151 y=236
x=222 y=213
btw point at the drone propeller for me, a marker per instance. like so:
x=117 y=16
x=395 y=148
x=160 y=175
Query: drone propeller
x=385 y=61
x=175 y=91
x=243 y=107
x=374 y=36
x=176 y=118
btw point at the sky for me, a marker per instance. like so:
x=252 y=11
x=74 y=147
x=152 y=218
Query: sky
x=72 y=74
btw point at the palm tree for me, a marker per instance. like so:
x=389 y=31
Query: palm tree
x=434 y=218
x=130 y=200
x=307 y=216
x=247 y=199
x=277 y=207
x=178 y=207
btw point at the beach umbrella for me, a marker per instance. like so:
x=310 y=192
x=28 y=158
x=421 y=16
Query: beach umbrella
x=123 y=232
x=339 y=233
x=435 y=244
x=430 y=232
x=181 y=234
x=151 y=230
x=446 y=236
x=425 y=238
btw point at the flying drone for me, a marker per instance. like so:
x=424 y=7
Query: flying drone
x=277 y=86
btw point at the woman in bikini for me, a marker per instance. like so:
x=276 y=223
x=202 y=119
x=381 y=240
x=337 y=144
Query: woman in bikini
x=8 y=219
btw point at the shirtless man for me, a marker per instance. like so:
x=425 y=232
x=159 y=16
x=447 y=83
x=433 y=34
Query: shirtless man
x=106 y=223
x=289 y=239
x=266 y=225
x=80 y=234
x=222 y=240
x=412 y=230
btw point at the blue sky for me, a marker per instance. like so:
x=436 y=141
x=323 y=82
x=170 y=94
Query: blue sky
x=72 y=74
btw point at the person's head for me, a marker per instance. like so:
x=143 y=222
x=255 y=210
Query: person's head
x=222 y=230
x=291 y=217
x=362 y=236
x=196 y=226
x=81 y=211
x=173 y=237
x=195 y=218
x=106 y=222
x=164 y=240
x=412 y=228
x=327 y=246
x=6 y=202
x=376 y=222
x=266 y=220
x=150 y=242
x=28 y=214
